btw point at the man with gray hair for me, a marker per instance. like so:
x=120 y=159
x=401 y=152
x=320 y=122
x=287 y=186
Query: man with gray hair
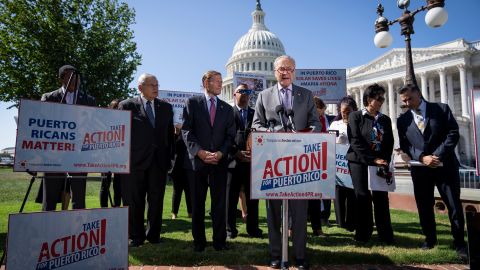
x=152 y=149
x=300 y=100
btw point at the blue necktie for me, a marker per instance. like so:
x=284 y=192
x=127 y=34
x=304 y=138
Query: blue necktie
x=149 y=112
x=243 y=114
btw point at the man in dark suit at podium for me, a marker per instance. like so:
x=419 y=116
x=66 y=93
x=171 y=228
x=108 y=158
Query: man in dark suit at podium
x=55 y=183
x=152 y=150
x=240 y=161
x=428 y=133
x=208 y=131
x=300 y=101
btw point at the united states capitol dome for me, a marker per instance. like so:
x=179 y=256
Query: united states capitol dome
x=253 y=53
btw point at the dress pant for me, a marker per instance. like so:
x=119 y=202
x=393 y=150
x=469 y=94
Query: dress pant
x=326 y=207
x=314 y=210
x=241 y=177
x=55 y=183
x=345 y=207
x=105 y=189
x=137 y=185
x=364 y=213
x=180 y=184
x=447 y=181
x=298 y=213
x=216 y=177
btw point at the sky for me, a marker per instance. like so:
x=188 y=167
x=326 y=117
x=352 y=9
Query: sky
x=180 y=40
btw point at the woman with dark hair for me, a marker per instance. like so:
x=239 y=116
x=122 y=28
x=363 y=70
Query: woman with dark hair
x=344 y=195
x=371 y=144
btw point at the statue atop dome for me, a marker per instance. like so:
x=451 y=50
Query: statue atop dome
x=259 y=6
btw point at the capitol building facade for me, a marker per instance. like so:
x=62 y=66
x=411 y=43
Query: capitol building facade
x=445 y=72
x=253 y=53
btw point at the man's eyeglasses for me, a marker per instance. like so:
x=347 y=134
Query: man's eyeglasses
x=285 y=69
x=244 y=92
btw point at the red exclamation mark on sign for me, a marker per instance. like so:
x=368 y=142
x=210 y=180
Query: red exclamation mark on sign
x=103 y=228
x=324 y=160
x=123 y=134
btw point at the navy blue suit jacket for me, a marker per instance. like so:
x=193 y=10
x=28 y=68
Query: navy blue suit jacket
x=198 y=134
x=439 y=137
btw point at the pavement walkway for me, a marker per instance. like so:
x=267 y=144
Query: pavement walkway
x=328 y=267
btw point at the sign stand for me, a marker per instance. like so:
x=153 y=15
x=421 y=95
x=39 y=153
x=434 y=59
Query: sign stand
x=285 y=234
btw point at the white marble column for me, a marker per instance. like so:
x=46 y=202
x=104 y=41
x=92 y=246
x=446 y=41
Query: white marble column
x=399 y=110
x=451 y=100
x=334 y=109
x=469 y=88
x=431 y=89
x=443 y=88
x=423 y=77
x=391 y=99
x=360 y=104
x=463 y=89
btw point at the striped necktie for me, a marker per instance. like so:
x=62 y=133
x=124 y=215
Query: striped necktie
x=419 y=120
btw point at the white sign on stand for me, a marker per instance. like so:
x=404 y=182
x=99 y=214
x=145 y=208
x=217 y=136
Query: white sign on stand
x=77 y=239
x=177 y=99
x=328 y=84
x=293 y=166
x=55 y=137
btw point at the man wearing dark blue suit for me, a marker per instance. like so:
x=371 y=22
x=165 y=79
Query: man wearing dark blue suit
x=208 y=131
x=428 y=133
x=240 y=166
x=152 y=149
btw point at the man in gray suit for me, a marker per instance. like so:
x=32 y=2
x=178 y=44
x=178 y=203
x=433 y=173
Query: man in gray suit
x=300 y=101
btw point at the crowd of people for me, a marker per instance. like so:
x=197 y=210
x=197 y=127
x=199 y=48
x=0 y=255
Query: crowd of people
x=210 y=150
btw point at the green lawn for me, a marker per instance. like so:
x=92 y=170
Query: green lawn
x=176 y=248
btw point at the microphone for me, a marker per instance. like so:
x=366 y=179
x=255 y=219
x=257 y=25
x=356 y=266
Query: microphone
x=290 y=114
x=271 y=125
x=279 y=111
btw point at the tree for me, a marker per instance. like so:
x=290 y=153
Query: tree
x=39 y=36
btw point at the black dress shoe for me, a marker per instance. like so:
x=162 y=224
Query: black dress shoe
x=302 y=265
x=275 y=264
x=258 y=233
x=232 y=235
x=135 y=243
x=155 y=241
x=221 y=247
x=462 y=253
x=427 y=245
x=198 y=248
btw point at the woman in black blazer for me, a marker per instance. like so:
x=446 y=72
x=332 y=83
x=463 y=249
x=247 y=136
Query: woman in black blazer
x=371 y=144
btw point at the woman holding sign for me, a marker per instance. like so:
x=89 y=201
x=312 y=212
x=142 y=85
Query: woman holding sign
x=344 y=194
x=371 y=144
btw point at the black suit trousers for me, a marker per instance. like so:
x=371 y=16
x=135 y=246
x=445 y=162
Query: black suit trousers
x=345 y=207
x=55 y=183
x=215 y=177
x=364 y=213
x=241 y=177
x=137 y=185
x=447 y=181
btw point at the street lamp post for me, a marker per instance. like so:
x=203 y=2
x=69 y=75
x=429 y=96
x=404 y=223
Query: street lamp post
x=435 y=17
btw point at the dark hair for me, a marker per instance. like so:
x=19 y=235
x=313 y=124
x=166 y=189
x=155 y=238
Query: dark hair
x=63 y=69
x=209 y=74
x=350 y=102
x=405 y=88
x=372 y=91
x=319 y=102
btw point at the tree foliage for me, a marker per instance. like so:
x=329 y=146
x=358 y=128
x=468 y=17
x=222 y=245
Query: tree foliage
x=39 y=36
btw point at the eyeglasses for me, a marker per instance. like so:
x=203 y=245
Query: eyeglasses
x=285 y=69
x=244 y=91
